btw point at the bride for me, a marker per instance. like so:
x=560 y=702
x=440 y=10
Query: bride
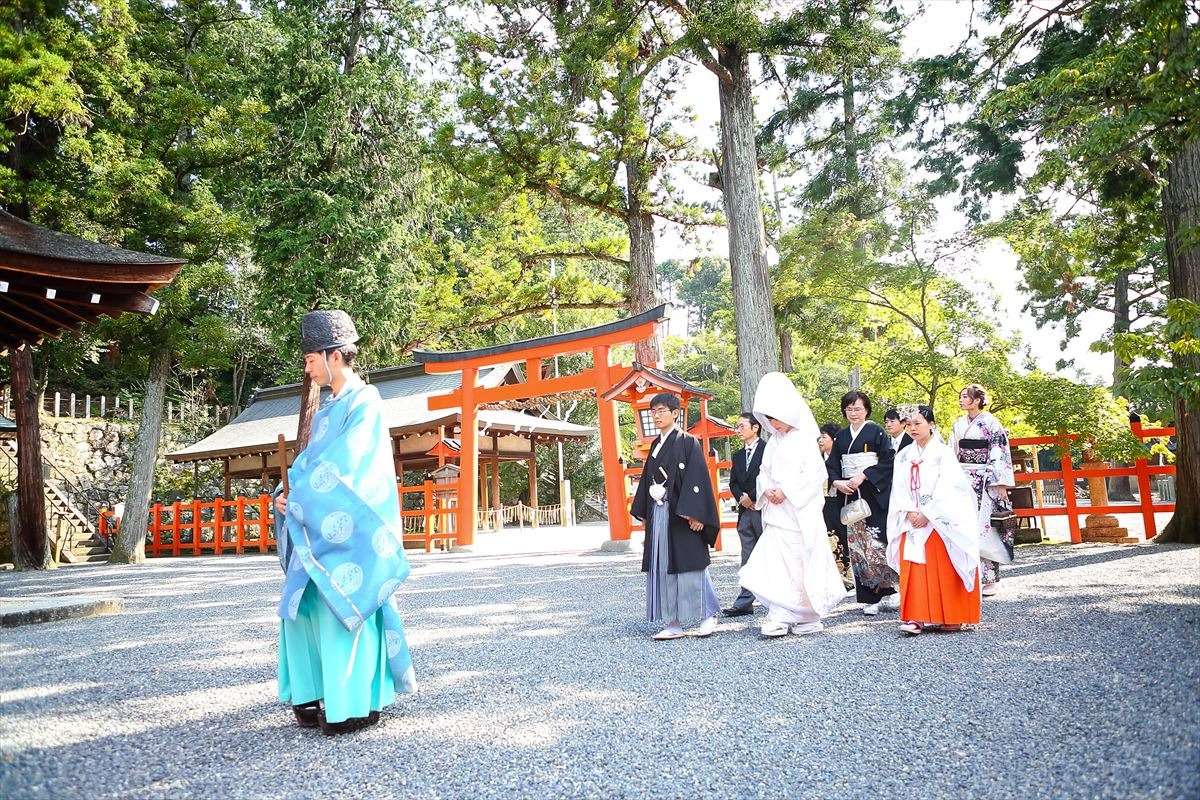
x=791 y=571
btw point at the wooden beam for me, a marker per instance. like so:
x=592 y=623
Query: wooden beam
x=29 y=540
x=611 y=339
x=48 y=267
x=580 y=381
x=27 y=329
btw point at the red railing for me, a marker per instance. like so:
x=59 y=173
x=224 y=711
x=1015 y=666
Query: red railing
x=233 y=526
x=437 y=513
x=1067 y=473
x=220 y=526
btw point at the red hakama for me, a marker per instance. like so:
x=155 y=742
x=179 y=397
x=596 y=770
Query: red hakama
x=933 y=592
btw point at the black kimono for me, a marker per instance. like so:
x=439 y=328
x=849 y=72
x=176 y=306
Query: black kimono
x=867 y=539
x=680 y=464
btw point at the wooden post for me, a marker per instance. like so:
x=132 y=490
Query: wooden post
x=265 y=523
x=176 y=529
x=156 y=530
x=427 y=501
x=103 y=404
x=497 y=522
x=485 y=501
x=1145 y=492
x=87 y=405
x=619 y=525
x=72 y=405
x=1068 y=473
x=533 y=498
x=468 y=462
x=441 y=439
x=29 y=541
x=228 y=478
x=195 y=527
x=58 y=404
x=218 y=523
x=240 y=526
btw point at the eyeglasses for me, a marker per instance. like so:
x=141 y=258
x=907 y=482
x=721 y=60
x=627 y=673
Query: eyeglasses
x=661 y=410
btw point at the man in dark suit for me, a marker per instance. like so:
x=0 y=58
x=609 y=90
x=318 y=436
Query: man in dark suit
x=743 y=482
x=895 y=429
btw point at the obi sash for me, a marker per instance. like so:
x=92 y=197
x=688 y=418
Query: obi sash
x=854 y=463
x=973 y=452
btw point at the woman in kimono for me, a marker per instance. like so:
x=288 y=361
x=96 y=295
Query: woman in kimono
x=860 y=465
x=791 y=571
x=980 y=443
x=833 y=506
x=932 y=541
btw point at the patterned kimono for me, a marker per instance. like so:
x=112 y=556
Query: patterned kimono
x=981 y=446
x=869 y=453
x=341 y=639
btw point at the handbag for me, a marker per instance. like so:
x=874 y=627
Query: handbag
x=994 y=544
x=855 y=511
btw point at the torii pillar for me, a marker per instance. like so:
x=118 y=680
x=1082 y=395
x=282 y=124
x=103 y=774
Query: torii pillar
x=619 y=523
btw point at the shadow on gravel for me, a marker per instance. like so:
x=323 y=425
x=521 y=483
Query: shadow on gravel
x=1049 y=562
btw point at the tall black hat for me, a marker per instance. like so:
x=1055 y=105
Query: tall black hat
x=326 y=330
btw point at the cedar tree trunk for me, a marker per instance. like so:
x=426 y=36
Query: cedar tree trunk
x=29 y=539
x=643 y=279
x=1181 y=213
x=757 y=341
x=129 y=545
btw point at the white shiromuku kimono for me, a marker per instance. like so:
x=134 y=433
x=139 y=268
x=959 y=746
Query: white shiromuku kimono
x=792 y=569
x=931 y=481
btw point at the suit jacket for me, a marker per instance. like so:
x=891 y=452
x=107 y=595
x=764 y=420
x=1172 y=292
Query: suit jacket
x=905 y=441
x=680 y=465
x=743 y=477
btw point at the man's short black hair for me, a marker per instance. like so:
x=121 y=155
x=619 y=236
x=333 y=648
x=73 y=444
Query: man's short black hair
x=892 y=414
x=671 y=401
x=848 y=400
x=830 y=429
x=754 y=423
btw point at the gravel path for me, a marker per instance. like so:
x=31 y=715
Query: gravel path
x=538 y=680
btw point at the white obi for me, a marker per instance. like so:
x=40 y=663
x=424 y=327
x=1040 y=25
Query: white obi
x=854 y=463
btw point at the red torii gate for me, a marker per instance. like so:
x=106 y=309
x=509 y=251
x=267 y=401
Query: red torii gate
x=599 y=378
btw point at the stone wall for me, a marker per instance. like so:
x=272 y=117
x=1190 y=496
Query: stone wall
x=97 y=455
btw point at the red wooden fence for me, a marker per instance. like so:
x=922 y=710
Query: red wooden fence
x=1066 y=472
x=232 y=526
x=220 y=526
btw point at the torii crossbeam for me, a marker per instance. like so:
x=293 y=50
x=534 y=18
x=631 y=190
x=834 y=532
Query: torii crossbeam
x=599 y=378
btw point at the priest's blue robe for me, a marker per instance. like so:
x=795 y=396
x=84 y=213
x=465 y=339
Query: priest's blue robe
x=341 y=639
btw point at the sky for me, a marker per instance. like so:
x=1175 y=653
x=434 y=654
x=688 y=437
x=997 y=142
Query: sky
x=995 y=276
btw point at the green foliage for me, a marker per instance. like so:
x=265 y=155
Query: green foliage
x=1156 y=380
x=1046 y=405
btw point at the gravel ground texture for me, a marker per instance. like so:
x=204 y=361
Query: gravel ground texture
x=539 y=679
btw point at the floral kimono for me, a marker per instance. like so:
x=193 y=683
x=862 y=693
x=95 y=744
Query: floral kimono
x=981 y=446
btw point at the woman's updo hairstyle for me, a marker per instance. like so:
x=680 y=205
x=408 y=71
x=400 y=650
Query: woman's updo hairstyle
x=976 y=392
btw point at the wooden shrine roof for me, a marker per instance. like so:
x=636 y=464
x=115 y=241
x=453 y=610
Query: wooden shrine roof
x=7 y=426
x=569 y=341
x=404 y=391
x=51 y=282
x=640 y=378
